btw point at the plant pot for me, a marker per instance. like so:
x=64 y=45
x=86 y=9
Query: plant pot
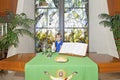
x=3 y=54
x=117 y=42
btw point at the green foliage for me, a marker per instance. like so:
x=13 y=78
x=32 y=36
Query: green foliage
x=114 y=23
x=18 y=24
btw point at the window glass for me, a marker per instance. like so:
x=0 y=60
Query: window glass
x=47 y=21
x=76 y=21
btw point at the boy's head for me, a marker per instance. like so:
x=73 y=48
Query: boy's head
x=58 y=37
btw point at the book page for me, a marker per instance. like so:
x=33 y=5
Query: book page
x=74 y=48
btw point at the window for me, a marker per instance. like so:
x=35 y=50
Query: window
x=69 y=17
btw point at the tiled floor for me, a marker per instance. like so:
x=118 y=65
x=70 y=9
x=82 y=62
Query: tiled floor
x=109 y=76
x=11 y=75
x=20 y=76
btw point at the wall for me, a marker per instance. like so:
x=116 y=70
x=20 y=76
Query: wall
x=100 y=39
x=26 y=43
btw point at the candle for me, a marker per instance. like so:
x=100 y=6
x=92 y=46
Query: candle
x=6 y=28
x=2 y=29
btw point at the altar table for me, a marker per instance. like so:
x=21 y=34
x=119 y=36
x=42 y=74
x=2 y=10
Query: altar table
x=76 y=68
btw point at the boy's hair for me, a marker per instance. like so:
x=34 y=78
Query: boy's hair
x=58 y=34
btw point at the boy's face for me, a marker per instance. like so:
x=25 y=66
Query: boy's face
x=58 y=38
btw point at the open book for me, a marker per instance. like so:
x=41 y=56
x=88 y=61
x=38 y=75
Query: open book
x=70 y=48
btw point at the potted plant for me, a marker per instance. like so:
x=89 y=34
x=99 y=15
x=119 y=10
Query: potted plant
x=113 y=22
x=17 y=24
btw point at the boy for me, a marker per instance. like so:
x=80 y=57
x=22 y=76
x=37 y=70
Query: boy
x=58 y=42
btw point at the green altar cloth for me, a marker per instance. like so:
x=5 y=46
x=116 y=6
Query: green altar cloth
x=76 y=68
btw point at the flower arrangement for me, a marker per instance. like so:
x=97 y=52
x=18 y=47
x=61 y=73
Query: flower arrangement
x=44 y=41
x=77 y=35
